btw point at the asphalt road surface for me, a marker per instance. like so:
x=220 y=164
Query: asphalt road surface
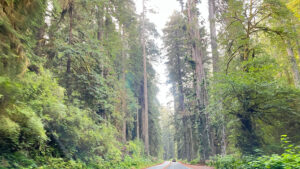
x=161 y=166
x=173 y=165
x=176 y=165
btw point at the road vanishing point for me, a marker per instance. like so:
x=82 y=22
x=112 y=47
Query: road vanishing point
x=169 y=165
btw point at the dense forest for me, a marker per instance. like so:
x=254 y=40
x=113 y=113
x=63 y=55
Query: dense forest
x=236 y=85
x=78 y=88
x=72 y=84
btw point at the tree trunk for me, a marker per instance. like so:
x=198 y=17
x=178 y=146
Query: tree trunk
x=124 y=128
x=137 y=120
x=191 y=148
x=224 y=143
x=100 y=23
x=248 y=140
x=213 y=34
x=181 y=108
x=185 y=146
x=298 y=48
x=124 y=82
x=297 y=41
x=293 y=64
x=145 y=113
x=197 y=57
x=196 y=53
x=69 y=60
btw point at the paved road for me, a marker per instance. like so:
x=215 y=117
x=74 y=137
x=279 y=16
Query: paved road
x=174 y=165
x=161 y=166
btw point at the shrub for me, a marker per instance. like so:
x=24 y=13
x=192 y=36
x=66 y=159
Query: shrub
x=290 y=159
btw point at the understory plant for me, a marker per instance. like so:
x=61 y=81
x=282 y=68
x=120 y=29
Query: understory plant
x=290 y=159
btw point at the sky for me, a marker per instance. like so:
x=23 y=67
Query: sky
x=163 y=10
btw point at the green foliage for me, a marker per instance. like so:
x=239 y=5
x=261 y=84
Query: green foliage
x=23 y=127
x=290 y=159
x=35 y=114
x=195 y=161
x=255 y=99
x=16 y=160
x=189 y=125
x=53 y=118
x=19 y=21
x=134 y=160
x=227 y=162
x=293 y=5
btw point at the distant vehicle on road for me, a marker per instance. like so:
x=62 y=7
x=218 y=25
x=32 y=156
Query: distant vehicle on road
x=174 y=160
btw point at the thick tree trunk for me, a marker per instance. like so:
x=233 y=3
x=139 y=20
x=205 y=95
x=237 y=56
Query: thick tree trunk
x=196 y=53
x=185 y=117
x=197 y=57
x=177 y=127
x=213 y=34
x=293 y=64
x=248 y=139
x=185 y=141
x=145 y=113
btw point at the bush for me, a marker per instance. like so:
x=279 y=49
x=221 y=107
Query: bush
x=290 y=159
x=16 y=160
x=38 y=130
x=226 y=162
x=23 y=128
x=195 y=161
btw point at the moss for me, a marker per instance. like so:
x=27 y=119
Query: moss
x=17 y=20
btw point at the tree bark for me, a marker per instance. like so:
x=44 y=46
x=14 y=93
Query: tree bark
x=213 y=34
x=188 y=144
x=145 y=113
x=293 y=64
x=185 y=141
x=137 y=120
x=224 y=143
x=100 y=23
x=191 y=144
x=196 y=53
x=297 y=41
x=124 y=128
x=197 y=57
x=124 y=82
x=69 y=60
x=298 y=48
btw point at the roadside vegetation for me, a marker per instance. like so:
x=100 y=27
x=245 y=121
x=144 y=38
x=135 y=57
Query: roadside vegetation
x=236 y=86
x=289 y=159
x=70 y=78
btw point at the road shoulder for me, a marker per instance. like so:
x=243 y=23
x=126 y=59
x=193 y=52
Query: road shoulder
x=196 y=166
x=162 y=165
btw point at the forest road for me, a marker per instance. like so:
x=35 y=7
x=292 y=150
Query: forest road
x=169 y=165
